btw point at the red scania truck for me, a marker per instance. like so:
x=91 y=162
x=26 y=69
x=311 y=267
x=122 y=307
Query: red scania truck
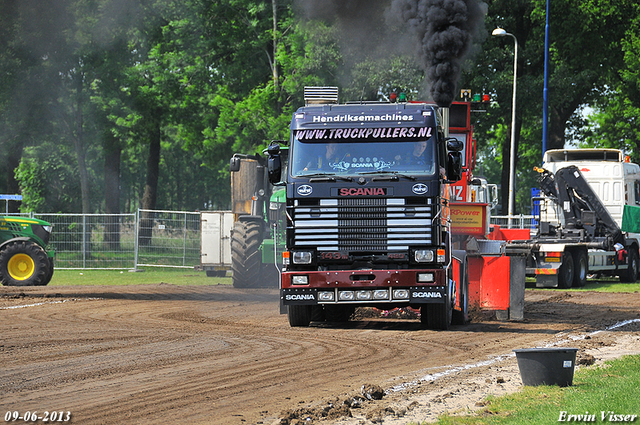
x=368 y=211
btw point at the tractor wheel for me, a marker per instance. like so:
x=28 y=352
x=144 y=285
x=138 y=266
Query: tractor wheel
x=49 y=275
x=24 y=264
x=566 y=271
x=631 y=275
x=246 y=258
x=299 y=315
x=581 y=268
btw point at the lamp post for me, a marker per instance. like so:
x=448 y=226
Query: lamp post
x=545 y=91
x=512 y=160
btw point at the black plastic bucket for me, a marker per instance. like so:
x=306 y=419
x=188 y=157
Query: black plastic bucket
x=546 y=366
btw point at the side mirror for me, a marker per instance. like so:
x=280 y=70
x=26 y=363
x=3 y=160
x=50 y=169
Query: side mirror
x=454 y=166
x=234 y=164
x=274 y=148
x=454 y=145
x=274 y=164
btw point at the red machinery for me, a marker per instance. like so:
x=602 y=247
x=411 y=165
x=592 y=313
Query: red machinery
x=496 y=277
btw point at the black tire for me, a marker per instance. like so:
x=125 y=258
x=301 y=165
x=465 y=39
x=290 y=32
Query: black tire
x=246 y=258
x=24 y=263
x=49 y=275
x=436 y=316
x=631 y=274
x=299 y=315
x=581 y=268
x=566 y=271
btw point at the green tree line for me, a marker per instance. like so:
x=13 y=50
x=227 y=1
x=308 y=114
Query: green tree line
x=111 y=105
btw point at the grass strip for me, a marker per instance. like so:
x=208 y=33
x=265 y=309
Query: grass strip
x=149 y=275
x=601 y=394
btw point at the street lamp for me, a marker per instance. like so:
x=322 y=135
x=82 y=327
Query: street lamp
x=512 y=160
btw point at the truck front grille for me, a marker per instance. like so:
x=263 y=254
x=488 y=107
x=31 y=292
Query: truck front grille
x=363 y=224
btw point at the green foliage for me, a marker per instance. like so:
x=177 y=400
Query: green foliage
x=39 y=192
x=100 y=79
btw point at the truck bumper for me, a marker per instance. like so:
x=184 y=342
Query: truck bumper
x=366 y=287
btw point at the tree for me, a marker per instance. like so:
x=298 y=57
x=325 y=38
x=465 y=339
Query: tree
x=586 y=57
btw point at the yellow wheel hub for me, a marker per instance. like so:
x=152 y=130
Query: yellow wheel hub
x=21 y=267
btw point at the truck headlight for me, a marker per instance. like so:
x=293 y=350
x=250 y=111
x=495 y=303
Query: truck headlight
x=302 y=257
x=325 y=296
x=346 y=296
x=423 y=256
x=400 y=294
x=300 y=280
x=363 y=295
x=426 y=277
x=381 y=294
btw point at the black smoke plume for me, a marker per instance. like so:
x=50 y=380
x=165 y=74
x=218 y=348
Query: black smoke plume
x=445 y=30
x=442 y=31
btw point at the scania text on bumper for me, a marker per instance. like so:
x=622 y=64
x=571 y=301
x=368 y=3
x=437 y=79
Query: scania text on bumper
x=408 y=296
x=364 y=287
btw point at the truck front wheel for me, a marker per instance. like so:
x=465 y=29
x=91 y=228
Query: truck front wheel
x=24 y=264
x=299 y=315
x=436 y=316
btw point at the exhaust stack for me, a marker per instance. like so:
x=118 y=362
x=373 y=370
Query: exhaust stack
x=444 y=111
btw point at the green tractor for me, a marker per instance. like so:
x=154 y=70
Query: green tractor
x=257 y=238
x=25 y=259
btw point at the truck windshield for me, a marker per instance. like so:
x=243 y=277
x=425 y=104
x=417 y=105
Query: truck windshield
x=349 y=158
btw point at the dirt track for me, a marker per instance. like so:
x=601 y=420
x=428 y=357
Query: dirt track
x=218 y=355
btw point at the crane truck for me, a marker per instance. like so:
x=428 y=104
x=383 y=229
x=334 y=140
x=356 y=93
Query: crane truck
x=589 y=218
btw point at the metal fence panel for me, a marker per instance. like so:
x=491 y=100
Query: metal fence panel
x=125 y=241
x=92 y=241
x=168 y=238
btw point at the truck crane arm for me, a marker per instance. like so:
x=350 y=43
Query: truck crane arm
x=570 y=190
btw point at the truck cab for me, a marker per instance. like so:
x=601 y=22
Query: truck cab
x=367 y=210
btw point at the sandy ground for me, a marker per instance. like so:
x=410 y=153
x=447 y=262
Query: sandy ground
x=156 y=354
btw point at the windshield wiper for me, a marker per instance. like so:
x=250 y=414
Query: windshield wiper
x=318 y=177
x=395 y=174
